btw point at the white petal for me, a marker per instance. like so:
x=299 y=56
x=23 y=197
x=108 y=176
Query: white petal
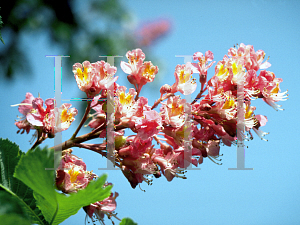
x=126 y=67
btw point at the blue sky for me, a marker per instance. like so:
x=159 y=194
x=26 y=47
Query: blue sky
x=213 y=195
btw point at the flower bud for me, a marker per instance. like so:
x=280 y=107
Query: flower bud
x=202 y=78
x=165 y=89
x=131 y=79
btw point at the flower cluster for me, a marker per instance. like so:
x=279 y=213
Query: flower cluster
x=72 y=176
x=47 y=121
x=165 y=142
x=185 y=132
x=181 y=133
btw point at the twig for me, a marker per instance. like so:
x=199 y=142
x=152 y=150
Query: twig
x=72 y=142
x=84 y=118
x=161 y=99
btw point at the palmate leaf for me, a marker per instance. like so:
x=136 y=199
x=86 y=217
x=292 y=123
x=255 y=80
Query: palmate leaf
x=19 y=193
x=56 y=207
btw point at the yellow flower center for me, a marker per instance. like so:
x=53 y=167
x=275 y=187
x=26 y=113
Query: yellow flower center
x=222 y=70
x=176 y=109
x=236 y=69
x=66 y=117
x=183 y=78
x=248 y=113
x=229 y=103
x=82 y=75
x=73 y=174
x=276 y=89
x=149 y=72
x=125 y=99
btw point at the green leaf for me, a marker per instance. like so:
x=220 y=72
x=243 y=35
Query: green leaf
x=127 y=221
x=36 y=170
x=11 y=205
x=56 y=207
x=10 y=155
x=70 y=204
x=13 y=219
x=11 y=210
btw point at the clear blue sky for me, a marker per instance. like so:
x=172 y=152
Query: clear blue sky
x=213 y=195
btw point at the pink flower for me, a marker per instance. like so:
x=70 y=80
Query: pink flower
x=173 y=111
x=105 y=74
x=124 y=101
x=202 y=66
x=213 y=147
x=71 y=174
x=149 y=125
x=148 y=72
x=269 y=89
x=140 y=72
x=67 y=115
x=134 y=65
x=261 y=121
x=136 y=148
x=25 y=107
x=260 y=57
x=86 y=79
x=134 y=112
x=91 y=78
x=48 y=119
x=252 y=60
x=184 y=81
x=169 y=166
x=101 y=208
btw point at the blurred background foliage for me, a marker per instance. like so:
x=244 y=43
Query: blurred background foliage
x=83 y=29
x=1 y=24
